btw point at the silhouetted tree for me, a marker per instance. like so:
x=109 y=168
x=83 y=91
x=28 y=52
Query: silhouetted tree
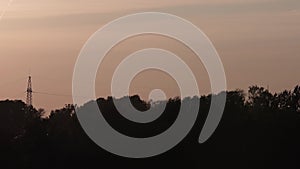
x=258 y=130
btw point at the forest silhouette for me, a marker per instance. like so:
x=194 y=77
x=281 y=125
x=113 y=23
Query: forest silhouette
x=258 y=129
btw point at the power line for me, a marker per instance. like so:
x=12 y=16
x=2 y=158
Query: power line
x=30 y=91
x=59 y=95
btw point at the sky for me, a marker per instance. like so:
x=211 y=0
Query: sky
x=258 y=42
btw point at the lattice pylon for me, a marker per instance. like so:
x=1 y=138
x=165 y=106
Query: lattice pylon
x=29 y=92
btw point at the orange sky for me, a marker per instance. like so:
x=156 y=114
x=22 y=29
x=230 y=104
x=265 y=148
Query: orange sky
x=257 y=40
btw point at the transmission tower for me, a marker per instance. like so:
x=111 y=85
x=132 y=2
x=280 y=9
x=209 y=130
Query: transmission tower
x=29 y=92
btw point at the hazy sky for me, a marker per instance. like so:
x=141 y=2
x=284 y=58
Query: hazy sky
x=258 y=42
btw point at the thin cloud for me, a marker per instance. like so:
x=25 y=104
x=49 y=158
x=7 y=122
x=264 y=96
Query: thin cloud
x=5 y=9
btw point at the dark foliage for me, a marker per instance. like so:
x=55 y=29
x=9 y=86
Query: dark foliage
x=258 y=130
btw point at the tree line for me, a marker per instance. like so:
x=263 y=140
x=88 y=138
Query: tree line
x=259 y=129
